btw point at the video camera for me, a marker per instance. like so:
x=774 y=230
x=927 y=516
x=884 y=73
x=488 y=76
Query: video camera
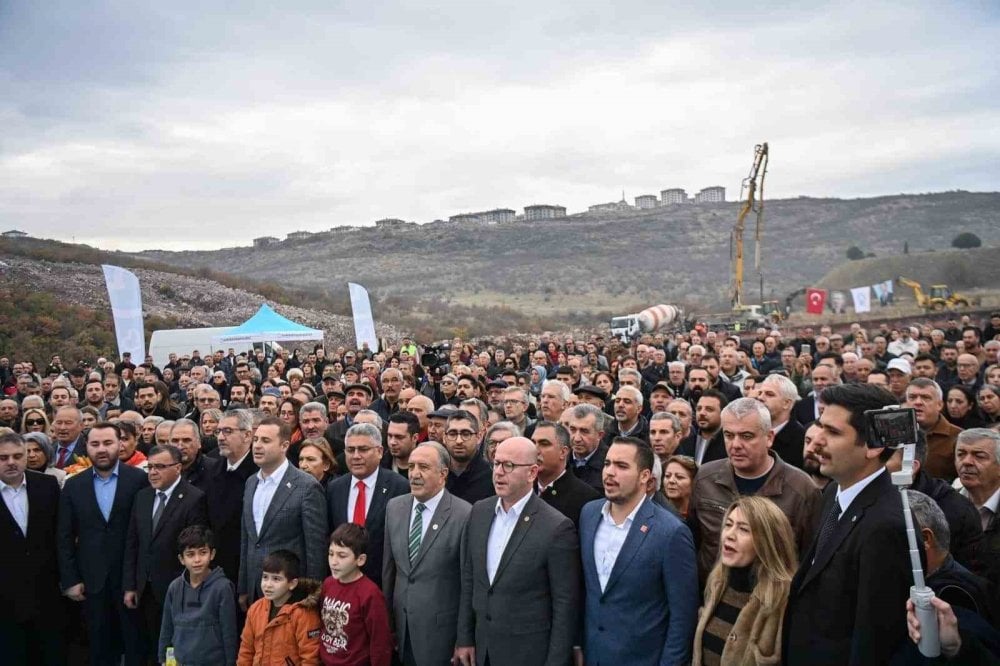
x=436 y=358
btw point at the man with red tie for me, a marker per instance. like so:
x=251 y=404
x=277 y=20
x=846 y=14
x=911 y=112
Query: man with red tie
x=361 y=497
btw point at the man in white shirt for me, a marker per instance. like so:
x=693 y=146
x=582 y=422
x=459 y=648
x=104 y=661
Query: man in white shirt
x=977 y=460
x=515 y=542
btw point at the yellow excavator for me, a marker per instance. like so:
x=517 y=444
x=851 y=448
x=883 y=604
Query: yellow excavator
x=941 y=297
x=754 y=202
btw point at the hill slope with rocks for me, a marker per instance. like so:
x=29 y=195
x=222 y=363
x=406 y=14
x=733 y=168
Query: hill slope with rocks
x=589 y=263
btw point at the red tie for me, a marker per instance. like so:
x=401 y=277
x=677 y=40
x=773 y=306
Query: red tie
x=62 y=458
x=359 y=505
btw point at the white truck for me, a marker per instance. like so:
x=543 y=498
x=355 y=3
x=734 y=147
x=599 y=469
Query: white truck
x=630 y=326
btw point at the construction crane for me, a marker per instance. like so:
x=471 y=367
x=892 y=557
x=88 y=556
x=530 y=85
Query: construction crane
x=752 y=202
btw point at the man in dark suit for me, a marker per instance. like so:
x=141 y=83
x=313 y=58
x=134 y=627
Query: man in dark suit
x=94 y=512
x=68 y=439
x=586 y=425
x=283 y=508
x=708 y=443
x=196 y=468
x=779 y=395
x=361 y=497
x=159 y=514
x=29 y=576
x=823 y=375
x=648 y=582
x=521 y=579
x=224 y=493
x=848 y=599
x=556 y=484
x=422 y=573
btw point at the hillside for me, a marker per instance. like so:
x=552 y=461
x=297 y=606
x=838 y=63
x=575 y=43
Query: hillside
x=585 y=264
x=960 y=269
x=168 y=299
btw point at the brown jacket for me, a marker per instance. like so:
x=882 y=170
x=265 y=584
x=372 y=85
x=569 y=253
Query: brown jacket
x=292 y=637
x=941 y=450
x=715 y=489
x=755 y=639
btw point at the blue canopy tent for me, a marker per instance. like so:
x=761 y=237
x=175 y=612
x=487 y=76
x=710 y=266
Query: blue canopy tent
x=268 y=326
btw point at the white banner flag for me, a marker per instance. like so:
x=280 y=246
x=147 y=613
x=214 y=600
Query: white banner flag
x=862 y=299
x=126 y=309
x=364 y=323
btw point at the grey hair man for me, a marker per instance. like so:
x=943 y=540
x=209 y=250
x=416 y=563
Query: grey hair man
x=779 y=395
x=977 y=459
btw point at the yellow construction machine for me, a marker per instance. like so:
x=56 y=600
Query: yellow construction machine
x=753 y=185
x=941 y=297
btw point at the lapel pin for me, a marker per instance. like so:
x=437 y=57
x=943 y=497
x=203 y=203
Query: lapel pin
x=181 y=496
x=434 y=527
x=289 y=484
x=854 y=518
x=526 y=519
x=553 y=491
x=644 y=529
x=385 y=490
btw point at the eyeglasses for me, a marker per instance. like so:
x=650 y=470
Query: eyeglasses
x=156 y=467
x=351 y=450
x=509 y=466
x=32 y=422
x=459 y=434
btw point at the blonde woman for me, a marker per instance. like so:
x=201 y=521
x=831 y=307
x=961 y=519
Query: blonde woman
x=750 y=581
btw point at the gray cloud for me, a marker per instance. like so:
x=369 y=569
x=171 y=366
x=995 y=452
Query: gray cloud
x=186 y=125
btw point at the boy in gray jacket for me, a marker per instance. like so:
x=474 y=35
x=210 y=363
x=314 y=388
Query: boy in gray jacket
x=199 y=612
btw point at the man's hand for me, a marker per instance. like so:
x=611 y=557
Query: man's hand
x=951 y=641
x=244 y=601
x=76 y=593
x=464 y=656
x=131 y=599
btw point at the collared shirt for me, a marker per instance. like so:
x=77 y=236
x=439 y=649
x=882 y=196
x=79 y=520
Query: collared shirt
x=989 y=509
x=430 y=506
x=500 y=531
x=266 y=487
x=608 y=541
x=542 y=489
x=16 y=500
x=352 y=497
x=778 y=428
x=105 y=489
x=701 y=447
x=68 y=448
x=846 y=497
x=231 y=467
x=581 y=462
x=628 y=433
x=166 y=491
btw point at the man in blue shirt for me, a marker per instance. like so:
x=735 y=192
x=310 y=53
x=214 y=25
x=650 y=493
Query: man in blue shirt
x=94 y=512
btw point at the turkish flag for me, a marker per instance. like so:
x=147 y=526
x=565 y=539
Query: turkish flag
x=815 y=300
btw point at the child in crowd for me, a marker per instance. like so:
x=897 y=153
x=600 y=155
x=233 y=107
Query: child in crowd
x=199 y=612
x=283 y=627
x=355 y=620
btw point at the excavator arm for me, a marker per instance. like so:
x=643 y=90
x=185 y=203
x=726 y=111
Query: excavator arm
x=751 y=203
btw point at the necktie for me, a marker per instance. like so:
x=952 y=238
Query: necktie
x=826 y=531
x=161 y=498
x=416 y=532
x=63 y=451
x=985 y=515
x=359 y=504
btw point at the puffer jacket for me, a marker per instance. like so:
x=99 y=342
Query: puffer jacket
x=292 y=637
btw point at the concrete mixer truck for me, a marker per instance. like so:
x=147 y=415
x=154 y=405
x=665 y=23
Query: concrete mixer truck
x=631 y=326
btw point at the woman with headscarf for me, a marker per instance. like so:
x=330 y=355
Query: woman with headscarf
x=41 y=455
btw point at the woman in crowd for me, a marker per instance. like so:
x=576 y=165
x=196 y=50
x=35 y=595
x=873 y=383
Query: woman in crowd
x=678 y=478
x=129 y=452
x=316 y=458
x=961 y=409
x=147 y=434
x=41 y=455
x=35 y=420
x=89 y=415
x=992 y=374
x=747 y=590
x=295 y=379
x=989 y=403
x=210 y=422
x=288 y=411
x=308 y=373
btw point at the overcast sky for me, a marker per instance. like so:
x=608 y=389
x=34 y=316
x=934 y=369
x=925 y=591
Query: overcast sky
x=200 y=125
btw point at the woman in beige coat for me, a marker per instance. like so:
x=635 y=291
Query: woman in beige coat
x=747 y=590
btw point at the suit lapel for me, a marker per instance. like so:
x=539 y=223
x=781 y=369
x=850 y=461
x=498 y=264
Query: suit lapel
x=855 y=512
x=380 y=497
x=438 y=521
x=175 y=498
x=9 y=517
x=524 y=522
x=281 y=495
x=251 y=490
x=120 y=490
x=92 y=494
x=633 y=541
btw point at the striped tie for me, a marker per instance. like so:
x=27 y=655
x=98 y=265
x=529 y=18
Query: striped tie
x=416 y=532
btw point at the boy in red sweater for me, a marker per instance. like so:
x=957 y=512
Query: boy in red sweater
x=355 y=620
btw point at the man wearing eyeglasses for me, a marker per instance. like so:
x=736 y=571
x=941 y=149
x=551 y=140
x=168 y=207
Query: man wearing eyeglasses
x=469 y=476
x=159 y=513
x=521 y=584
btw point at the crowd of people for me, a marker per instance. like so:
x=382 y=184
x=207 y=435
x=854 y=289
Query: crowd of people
x=697 y=497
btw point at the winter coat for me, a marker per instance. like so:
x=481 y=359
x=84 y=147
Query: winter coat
x=291 y=638
x=200 y=623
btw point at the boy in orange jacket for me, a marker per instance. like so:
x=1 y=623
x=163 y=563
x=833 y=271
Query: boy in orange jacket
x=284 y=626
